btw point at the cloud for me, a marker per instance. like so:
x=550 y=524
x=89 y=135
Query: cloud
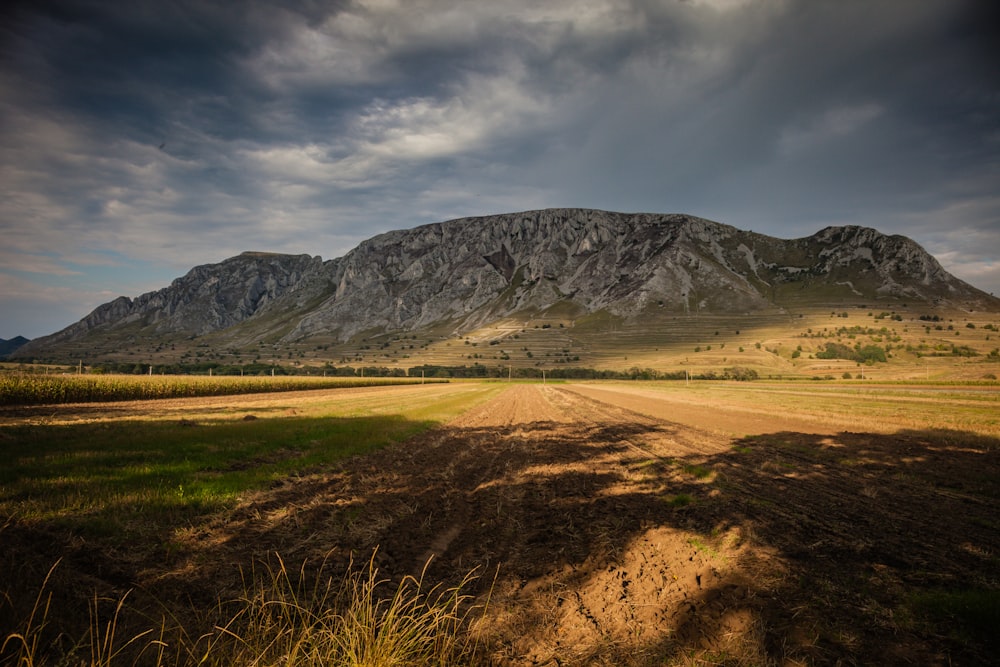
x=831 y=125
x=174 y=134
x=13 y=287
x=984 y=273
x=963 y=234
x=13 y=261
x=32 y=308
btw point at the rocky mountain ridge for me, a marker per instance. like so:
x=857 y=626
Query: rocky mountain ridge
x=468 y=272
x=208 y=298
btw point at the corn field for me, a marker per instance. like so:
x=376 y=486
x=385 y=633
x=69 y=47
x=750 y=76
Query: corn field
x=27 y=389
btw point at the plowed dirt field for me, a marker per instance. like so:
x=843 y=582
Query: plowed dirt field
x=625 y=529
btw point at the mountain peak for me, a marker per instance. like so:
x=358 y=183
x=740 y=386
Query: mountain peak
x=8 y=347
x=467 y=272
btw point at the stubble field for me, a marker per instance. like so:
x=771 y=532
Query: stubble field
x=618 y=524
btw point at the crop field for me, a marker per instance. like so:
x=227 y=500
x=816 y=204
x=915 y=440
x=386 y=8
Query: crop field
x=506 y=523
x=35 y=389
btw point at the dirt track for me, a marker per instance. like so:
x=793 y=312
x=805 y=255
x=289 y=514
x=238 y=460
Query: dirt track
x=619 y=536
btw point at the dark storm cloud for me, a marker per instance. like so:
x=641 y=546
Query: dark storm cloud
x=176 y=133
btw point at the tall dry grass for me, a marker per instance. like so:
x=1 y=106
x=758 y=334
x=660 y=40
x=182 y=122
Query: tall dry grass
x=283 y=617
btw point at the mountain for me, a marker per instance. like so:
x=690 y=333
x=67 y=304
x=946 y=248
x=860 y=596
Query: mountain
x=7 y=347
x=459 y=275
x=209 y=298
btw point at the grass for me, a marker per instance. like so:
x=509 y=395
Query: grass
x=125 y=479
x=697 y=471
x=296 y=619
x=679 y=500
x=700 y=546
x=128 y=487
x=282 y=617
x=133 y=477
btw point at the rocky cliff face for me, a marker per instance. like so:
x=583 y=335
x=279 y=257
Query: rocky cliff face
x=471 y=271
x=208 y=298
x=476 y=269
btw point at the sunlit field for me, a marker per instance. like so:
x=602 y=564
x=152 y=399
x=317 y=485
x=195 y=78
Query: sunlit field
x=35 y=389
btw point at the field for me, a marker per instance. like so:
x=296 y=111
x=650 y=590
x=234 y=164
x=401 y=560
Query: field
x=630 y=523
x=919 y=343
x=21 y=388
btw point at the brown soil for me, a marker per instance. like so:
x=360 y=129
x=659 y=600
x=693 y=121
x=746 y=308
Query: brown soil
x=208 y=407
x=607 y=532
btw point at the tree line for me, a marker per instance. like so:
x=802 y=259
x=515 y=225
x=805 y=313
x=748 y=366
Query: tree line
x=480 y=371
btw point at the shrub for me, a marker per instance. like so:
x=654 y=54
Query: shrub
x=869 y=354
x=741 y=373
x=836 y=351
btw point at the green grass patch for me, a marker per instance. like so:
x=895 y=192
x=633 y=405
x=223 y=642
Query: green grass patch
x=697 y=471
x=679 y=500
x=130 y=480
x=123 y=478
x=700 y=546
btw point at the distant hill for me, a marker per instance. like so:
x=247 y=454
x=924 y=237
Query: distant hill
x=454 y=277
x=7 y=347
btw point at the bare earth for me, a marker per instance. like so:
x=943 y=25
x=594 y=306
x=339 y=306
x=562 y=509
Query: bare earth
x=622 y=528
x=616 y=534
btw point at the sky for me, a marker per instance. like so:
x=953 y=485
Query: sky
x=139 y=139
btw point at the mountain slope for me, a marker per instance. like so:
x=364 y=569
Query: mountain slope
x=208 y=298
x=8 y=347
x=478 y=269
x=466 y=273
